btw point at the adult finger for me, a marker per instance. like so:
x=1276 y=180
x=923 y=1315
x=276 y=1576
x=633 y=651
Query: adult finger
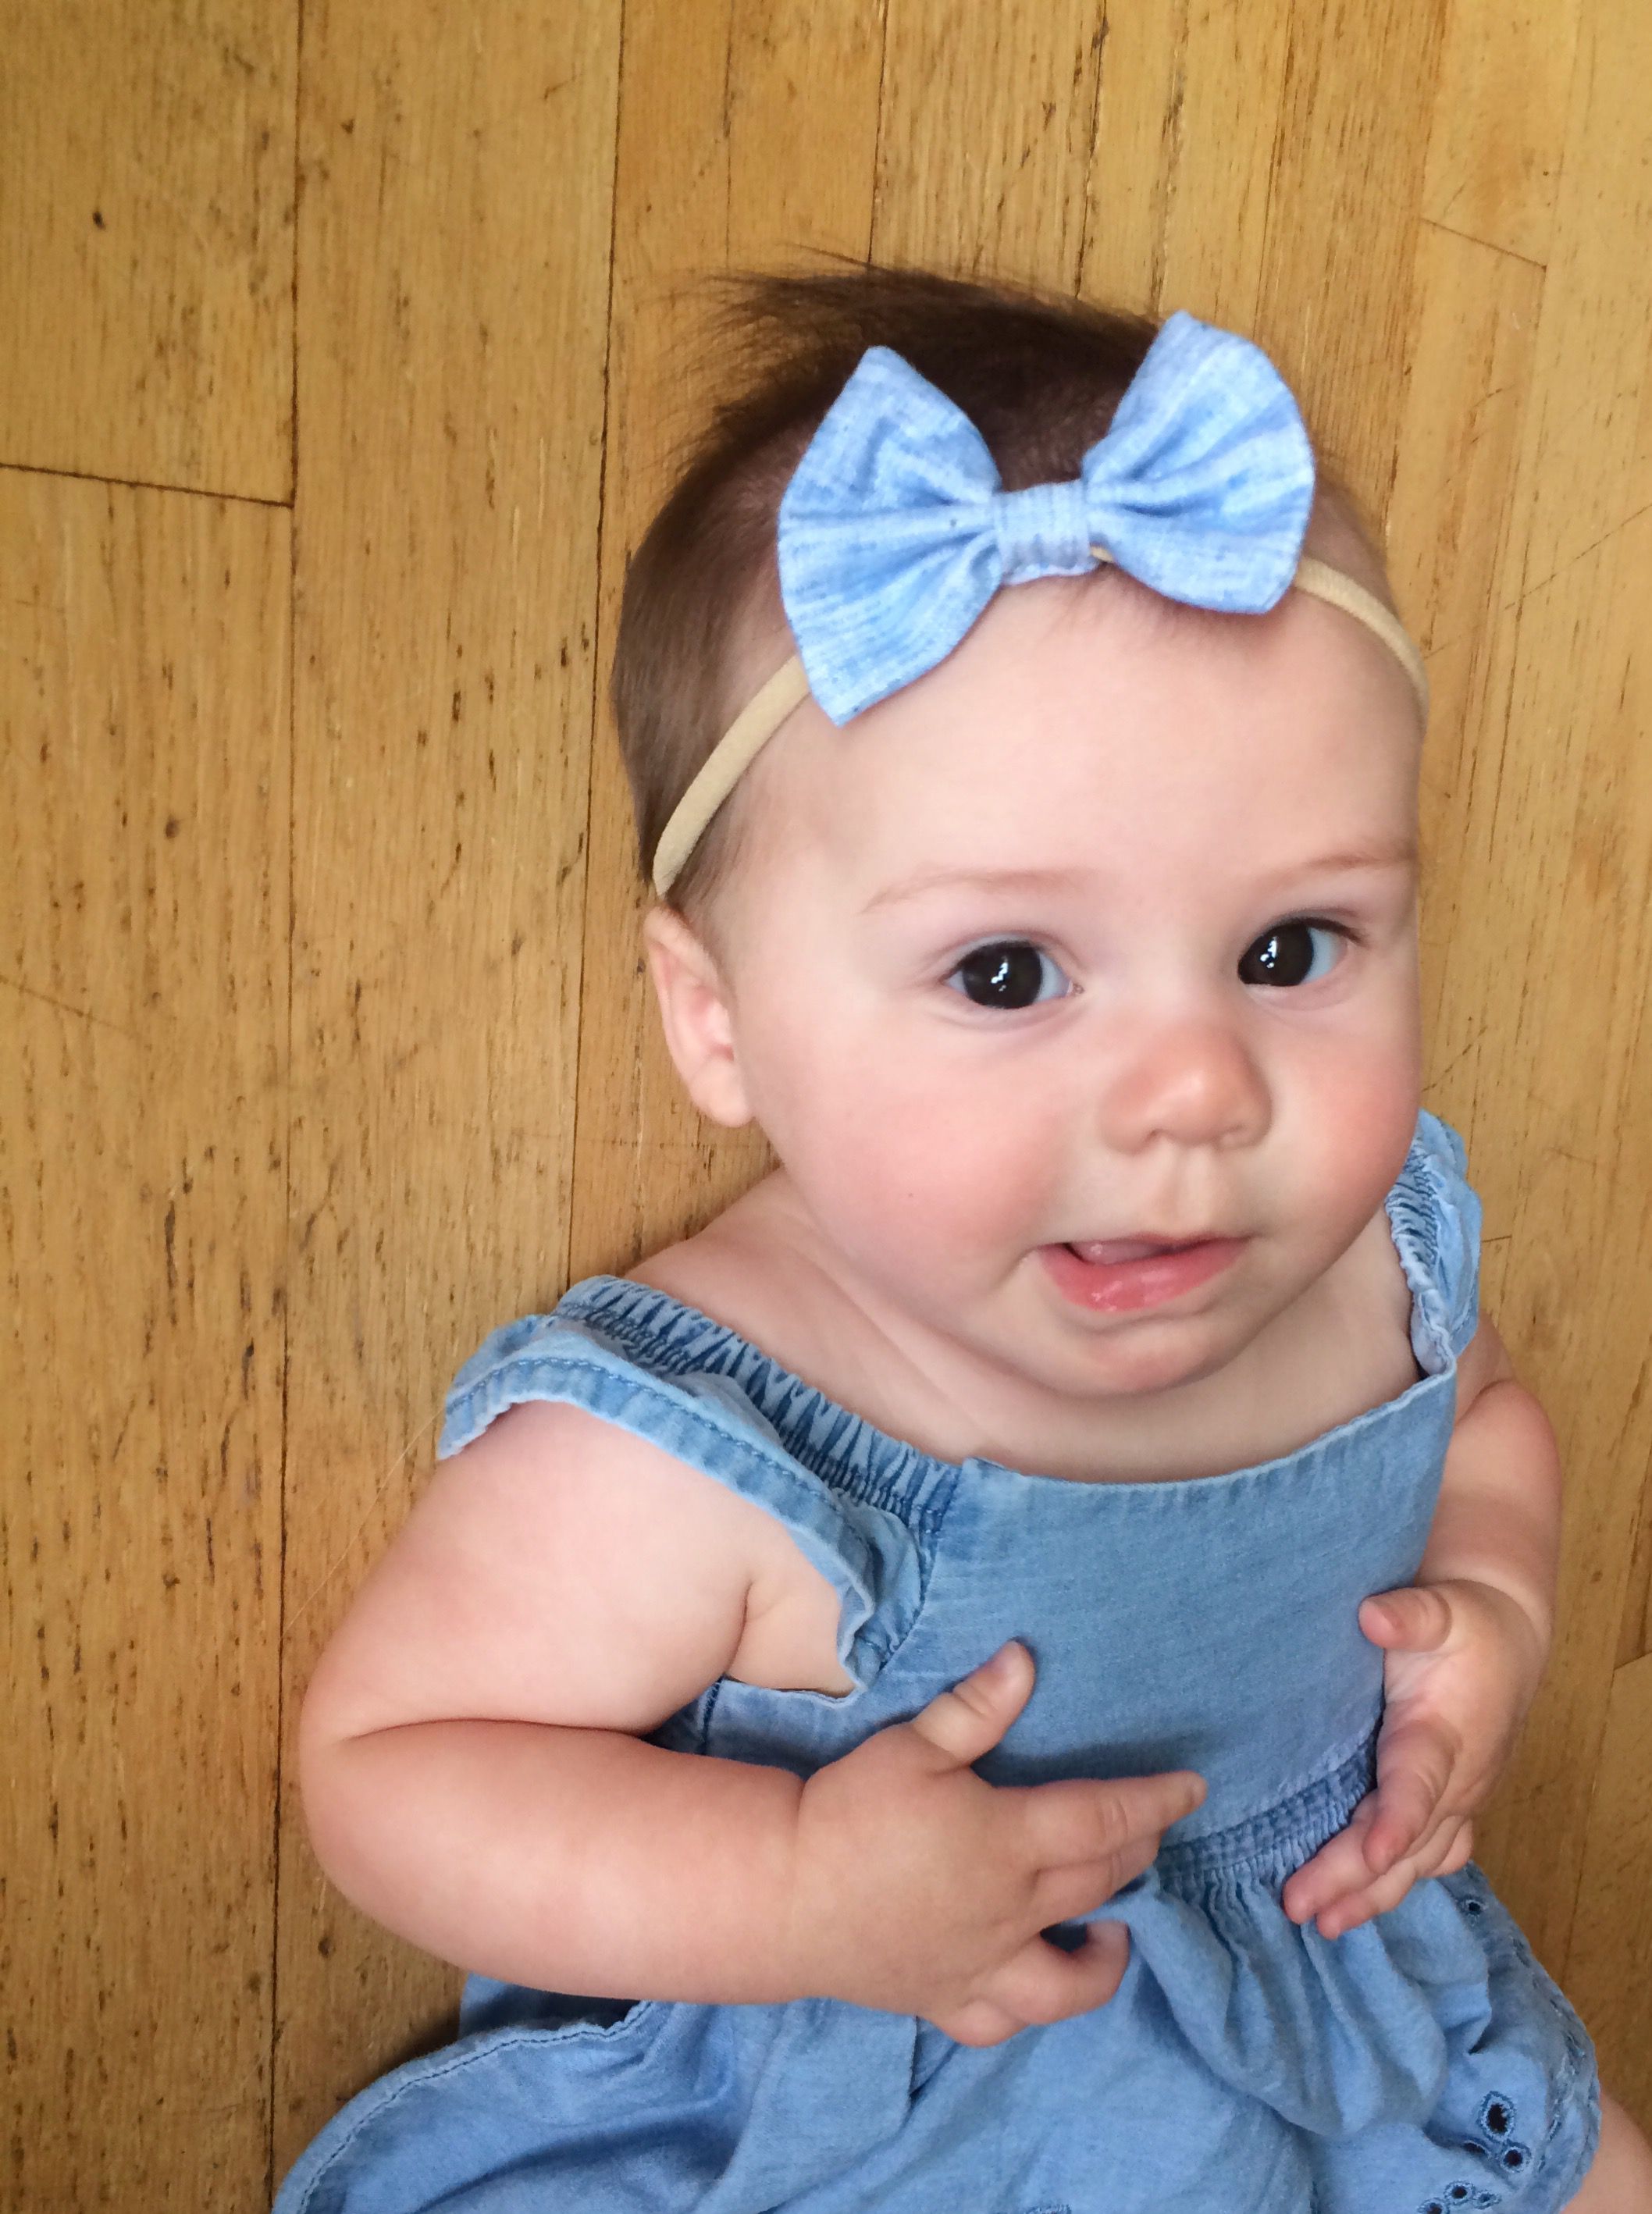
x=969 y=1720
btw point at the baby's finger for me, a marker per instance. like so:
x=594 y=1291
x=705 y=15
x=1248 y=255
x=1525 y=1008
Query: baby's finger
x=1079 y=1825
x=979 y=2022
x=1414 y=1760
x=1415 y=1618
x=1461 y=1854
x=1384 y=1892
x=968 y=1720
x=1338 y=1869
x=1062 y=1894
x=1442 y=1852
x=1043 y=1982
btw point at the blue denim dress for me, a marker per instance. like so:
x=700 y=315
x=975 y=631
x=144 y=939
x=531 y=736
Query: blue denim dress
x=1421 y=2063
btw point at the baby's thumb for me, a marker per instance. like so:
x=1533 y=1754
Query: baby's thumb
x=1416 y=1618
x=969 y=1719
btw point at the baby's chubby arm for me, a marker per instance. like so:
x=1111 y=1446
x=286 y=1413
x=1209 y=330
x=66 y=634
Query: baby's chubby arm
x=473 y=1774
x=1466 y=1646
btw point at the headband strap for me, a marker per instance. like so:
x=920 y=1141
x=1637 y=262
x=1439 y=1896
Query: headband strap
x=769 y=707
x=895 y=530
x=722 y=767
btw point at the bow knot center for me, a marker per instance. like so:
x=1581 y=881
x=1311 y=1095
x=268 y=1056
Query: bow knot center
x=1042 y=531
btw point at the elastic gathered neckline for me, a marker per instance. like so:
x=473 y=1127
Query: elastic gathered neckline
x=671 y=1338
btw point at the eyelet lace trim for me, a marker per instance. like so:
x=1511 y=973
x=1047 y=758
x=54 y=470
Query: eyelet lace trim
x=1495 y=2146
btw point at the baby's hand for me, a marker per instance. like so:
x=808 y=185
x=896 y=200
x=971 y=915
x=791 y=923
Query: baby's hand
x=921 y=1889
x=1464 y=1660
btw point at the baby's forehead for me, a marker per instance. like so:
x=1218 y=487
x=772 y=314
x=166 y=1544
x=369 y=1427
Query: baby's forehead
x=1084 y=709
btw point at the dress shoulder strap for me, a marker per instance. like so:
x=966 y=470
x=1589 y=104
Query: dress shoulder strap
x=863 y=1509
x=1435 y=1215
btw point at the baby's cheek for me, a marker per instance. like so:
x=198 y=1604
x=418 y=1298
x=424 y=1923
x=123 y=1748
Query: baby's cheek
x=954 y=1177
x=1361 y=1132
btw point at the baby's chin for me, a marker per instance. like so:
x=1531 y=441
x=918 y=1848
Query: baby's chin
x=1041 y=1342
x=1146 y=1359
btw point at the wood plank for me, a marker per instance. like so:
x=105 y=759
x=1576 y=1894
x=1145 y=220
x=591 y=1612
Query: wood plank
x=1499 y=121
x=1187 y=141
x=1265 y=171
x=1586 y=467
x=765 y=173
x=1611 y=1939
x=456 y=240
x=1635 y=1632
x=1468 y=379
x=981 y=165
x=146 y=172
x=1563 y=1075
x=144 y=902
x=1543 y=1000
x=1548 y=1084
x=1335 y=307
x=804 y=155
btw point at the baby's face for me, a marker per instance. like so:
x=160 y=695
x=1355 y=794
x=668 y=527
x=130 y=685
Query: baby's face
x=1098 y=941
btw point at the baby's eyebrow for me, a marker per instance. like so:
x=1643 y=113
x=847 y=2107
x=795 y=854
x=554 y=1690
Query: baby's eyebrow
x=1379 y=853
x=979 y=880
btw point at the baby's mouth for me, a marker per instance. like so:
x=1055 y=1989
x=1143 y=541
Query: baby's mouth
x=1121 y=1275
x=1108 y=1252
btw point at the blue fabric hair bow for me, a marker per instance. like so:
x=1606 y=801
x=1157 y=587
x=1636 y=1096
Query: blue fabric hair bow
x=895 y=531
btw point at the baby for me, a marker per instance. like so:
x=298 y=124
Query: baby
x=978 y=1667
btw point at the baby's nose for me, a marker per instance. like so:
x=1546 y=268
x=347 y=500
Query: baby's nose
x=1194 y=1082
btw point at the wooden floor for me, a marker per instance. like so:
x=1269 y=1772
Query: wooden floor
x=337 y=384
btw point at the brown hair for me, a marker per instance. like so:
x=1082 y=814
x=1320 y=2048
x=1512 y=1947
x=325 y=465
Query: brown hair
x=1039 y=377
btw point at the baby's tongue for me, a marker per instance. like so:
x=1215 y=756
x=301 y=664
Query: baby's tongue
x=1106 y=1252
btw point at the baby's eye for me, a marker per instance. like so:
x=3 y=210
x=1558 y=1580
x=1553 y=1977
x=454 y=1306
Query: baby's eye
x=1009 y=973
x=1292 y=953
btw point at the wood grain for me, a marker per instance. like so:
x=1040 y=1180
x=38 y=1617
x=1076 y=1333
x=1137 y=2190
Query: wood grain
x=1467 y=385
x=455 y=244
x=1614 y=1929
x=1436 y=213
x=1541 y=1009
x=1336 y=300
x=143 y=991
x=647 y=1168
x=146 y=253
x=1181 y=182
x=1497 y=137
x=987 y=122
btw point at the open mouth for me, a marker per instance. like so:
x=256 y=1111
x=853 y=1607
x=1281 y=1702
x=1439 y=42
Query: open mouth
x=1119 y=1275
x=1107 y=1252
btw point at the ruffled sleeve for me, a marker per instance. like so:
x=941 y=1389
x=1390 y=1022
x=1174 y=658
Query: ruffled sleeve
x=713 y=1420
x=1435 y=1215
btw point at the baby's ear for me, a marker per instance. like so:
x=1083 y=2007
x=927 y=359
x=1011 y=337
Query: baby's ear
x=694 y=1008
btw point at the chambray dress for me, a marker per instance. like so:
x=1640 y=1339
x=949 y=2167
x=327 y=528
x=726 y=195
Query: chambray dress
x=1420 y=2064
